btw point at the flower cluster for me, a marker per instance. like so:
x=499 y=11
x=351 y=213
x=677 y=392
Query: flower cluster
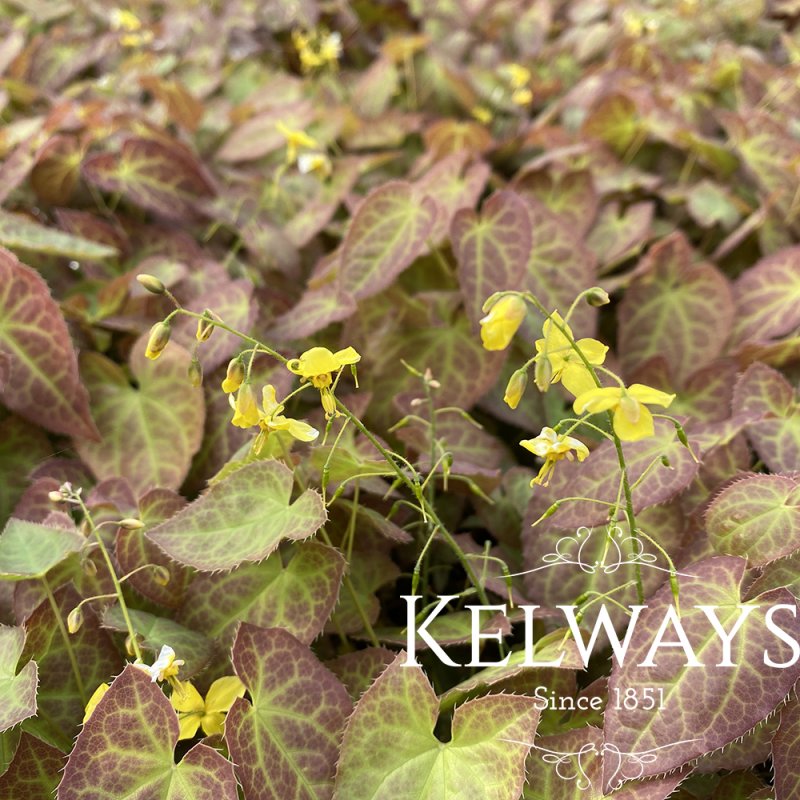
x=317 y=49
x=561 y=358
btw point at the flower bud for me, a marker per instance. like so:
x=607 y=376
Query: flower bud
x=205 y=327
x=75 y=619
x=516 y=388
x=502 y=322
x=55 y=497
x=596 y=296
x=543 y=374
x=89 y=567
x=234 y=377
x=195 y=373
x=131 y=524
x=151 y=283
x=161 y=575
x=159 y=338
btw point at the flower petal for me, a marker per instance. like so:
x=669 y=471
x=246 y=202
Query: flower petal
x=597 y=400
x=222 y=693
x=594 y=351
x=187 y=700
x=629 y=431
x=301 y=431
x=316 y=361
x=213 y=723
x=576 y=379
x=96 y=697
x=269 y=401
x=346 y=356
x=646 y=394
x=188 y=724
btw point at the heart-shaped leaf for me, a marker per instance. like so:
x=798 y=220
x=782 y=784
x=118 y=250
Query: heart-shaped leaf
x=298 y=596
x=286 y=741
x=241 y=518
x=786 y=752
x=31 y=550
x=149 y=432
x=675 y=309
x=390 y=752
x=135 y=717
x=741 y=696
x=389 y=230
x=491 y=249
x=41 y=380
x=17 y=691
x=763 y=393
x=756 y=518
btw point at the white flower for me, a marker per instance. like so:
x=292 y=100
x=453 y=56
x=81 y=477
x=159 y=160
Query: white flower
x=166 y=666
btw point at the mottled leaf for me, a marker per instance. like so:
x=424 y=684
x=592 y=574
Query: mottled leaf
x=741 y=696
x=316 y=309
x=17 y=691
x=34 y=772
x=571 y=197
x=616 y=121
x=41 y=382
x=756 y=518
x=62 y=695
x=359 y=669
x=285 y=741
x=491 y=249
x=618 y=234
x=786 y=752
x=150 y=430
x=298 y=596
x=21 y=233
x=30 y=550
x=166 y=179
x=675 y=309
x=764 y=393
x=390 y=751
x=22 y=447
x=126 y=749
x=242 y=518
x=767 y=297
x=389 y=230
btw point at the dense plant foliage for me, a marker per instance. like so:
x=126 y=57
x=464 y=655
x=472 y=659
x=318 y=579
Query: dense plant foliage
x=439 y=305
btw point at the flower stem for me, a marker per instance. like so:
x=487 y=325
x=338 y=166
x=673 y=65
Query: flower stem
x=67 y=641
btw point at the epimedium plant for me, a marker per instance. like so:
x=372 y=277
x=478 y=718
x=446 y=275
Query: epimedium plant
x=332 y=335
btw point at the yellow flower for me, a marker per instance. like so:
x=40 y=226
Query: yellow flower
x=632 y=418
x=122 y=20
x=330 y=48
x=482 y=114
x=317 y=49
x=295 y=141
x=317 y=365
x=245 y=407
x=515 y=75
x=553 y=447
x=521 y=97
x=164 y=668
x=234 y=376
x=565 y=364
x=208 y=714
x=502 y=322
x=272 y=420
x=96 y=697
x=314 y=162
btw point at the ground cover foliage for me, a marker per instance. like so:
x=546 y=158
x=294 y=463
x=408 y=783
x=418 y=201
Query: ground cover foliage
x=217 y=482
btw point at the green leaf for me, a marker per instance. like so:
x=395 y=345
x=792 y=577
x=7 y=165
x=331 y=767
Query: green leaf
x=17 y=691
x=34 y=771
x=675 y=309
x=681 y=731
x=756 y=518
x=241 y=518
x=389 y=230
x=616 y=121
x=127 y=749
x=30 y=550
x=40 y=380
x=194 y=648
x=492 y=249
x=150 y=431
x=61 y=699
x=298 y=596
x=286 y=741
x=710 y=204
x=18 y=232
x=22 y=447
x=390 y=752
